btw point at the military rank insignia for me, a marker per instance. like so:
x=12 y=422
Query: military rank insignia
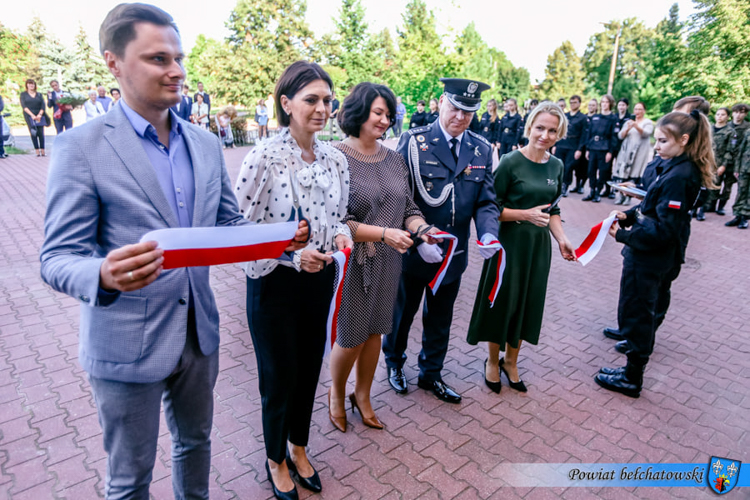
x=723 y=474
x=424 y=147
x=467 y=170
x=476 y=151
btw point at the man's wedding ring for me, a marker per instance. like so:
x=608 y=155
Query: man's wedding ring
x=130 y=275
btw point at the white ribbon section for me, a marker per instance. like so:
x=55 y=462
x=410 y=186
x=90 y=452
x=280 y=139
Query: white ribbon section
x=341 y=261
x=500 y=268
x=594 y=241
x=438 y=279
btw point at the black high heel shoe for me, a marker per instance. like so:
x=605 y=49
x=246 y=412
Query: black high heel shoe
x=494 y=386
x=519 y=386
x=281 y=495
x=312 y=483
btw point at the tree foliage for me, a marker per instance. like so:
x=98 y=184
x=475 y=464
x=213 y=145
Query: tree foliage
x=16 y=58
x=87 y=69
x=563 y=76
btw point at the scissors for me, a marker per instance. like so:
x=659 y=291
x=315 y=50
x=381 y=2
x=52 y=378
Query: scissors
x=416 y=236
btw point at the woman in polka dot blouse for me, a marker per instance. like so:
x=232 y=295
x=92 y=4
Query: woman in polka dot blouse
x=288 y=300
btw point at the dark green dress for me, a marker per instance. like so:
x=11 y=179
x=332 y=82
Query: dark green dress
x=520 y=184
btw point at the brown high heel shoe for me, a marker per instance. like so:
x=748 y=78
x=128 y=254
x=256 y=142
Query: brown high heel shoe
x=368 y=421
x=338 y=422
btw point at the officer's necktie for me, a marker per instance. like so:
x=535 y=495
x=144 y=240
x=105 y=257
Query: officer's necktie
x=454 y=144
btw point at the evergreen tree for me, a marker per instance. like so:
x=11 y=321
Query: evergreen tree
x=354 y=56
x=665 y=65
x=15 y=60
x=87 y=69
x=563 y=75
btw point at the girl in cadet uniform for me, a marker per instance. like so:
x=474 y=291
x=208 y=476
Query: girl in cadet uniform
x=722 y=140
x=511 y=128
x=490 y=123
x=659 y=229
x=601 y=142
x=433 y=114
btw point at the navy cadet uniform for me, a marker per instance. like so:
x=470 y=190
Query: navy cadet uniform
x=653 y=255
x=511 y=131
x=600 y=140
x=489 y=129
x=418 y=119
x=431 y=117
x=566 y=148
x=449 y=193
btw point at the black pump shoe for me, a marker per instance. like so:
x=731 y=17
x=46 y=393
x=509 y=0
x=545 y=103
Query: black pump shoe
x=281 y=495
x=494 y=386
x=518 y=386
x=311 y=483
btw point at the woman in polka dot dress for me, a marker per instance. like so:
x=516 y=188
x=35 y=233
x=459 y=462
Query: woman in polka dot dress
x=288 y=300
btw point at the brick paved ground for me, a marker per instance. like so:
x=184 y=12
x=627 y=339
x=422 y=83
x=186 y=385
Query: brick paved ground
x=695 y=403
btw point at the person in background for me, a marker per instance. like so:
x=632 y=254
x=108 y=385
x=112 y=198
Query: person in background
x=33 y=107
x=434 y=112
x=61 y=112
x=419 y=117
x=527 y=182
x=115 y=93
x=2 y=135
x=199 y=115
x=655 y=235
x=451 y=168
x=741 y=206
x=294 y=174
x=489 y=125
x=722 y=141
x=510 y=129
x=335 y=104
x=93 y=106
x=621 y=117
x=381 y=216
x=103 y=98
x=398 y=125
x=635 y=150
x=206 y=97
x=224 y=125
x=600 y=142
x=740 y=126
x=569 y=149
x=532 y=104
x=261 y=118
x=184 y=108
x=561 y=103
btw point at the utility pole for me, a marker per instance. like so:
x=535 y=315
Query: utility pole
x=614 y=61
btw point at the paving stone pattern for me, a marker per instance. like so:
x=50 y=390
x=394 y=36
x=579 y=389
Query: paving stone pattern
x=695 y=401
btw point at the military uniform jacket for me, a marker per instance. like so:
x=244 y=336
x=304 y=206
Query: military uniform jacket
x=576 y=138
x=431 y=117
x=489 y=129
x=722 y=143
x=600 y=134
x=449 y=195
x=660 y=224
x=736 y=143
x=511 y=129
x=743 y=167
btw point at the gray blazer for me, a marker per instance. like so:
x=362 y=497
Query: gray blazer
x=102 y=193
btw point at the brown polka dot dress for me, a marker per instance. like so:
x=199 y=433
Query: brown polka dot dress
x=379 y=195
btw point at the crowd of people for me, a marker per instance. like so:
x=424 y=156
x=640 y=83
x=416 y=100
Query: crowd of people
x=150 y=335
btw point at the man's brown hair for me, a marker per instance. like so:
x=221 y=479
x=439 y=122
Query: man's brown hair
x=118 y=28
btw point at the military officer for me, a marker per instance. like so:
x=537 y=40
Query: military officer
x=451 y=177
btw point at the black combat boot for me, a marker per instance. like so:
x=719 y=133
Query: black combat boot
x=627 y=381
x=743 y=223
x=720 y=209
x=564 y=190
x=579 y=187
x=701 y=215
x=590 y=196
x=734 y=222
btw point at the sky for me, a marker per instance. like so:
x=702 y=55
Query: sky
x=526 y=32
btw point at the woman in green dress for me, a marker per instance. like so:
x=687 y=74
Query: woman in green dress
x=527 y=182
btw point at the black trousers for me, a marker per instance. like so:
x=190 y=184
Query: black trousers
x=437 y=315
x=644 y=300
x=287 y=313
x=505 y=147
x=37 y=136
x=567 y=156
x=600 y=170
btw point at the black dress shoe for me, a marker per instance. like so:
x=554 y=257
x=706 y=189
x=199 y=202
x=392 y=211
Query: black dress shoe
x=589 y=197
x=743 y=224
x=494 y=386
x=518 y=386
x=312 y=483
x=281 y=495
x=619 y=382
x=622 y=347
x=397 y=379
x=701 y=214
x=441 y=390
x=613 y=333
x=612 y=371
x=597 y=198
x=734 y=222
x=611 y=195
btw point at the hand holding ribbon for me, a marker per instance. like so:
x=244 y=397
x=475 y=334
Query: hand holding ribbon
x=435 y=283
x=594 y=241
x=341 y=261
x=488 y=246
x=494 y=246
x=430 y=253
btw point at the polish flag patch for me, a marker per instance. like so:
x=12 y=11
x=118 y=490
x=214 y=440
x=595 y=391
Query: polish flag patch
x=675 y=204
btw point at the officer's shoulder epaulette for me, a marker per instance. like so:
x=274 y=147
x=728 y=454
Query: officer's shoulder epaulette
x=479 y=138
x=418 y=130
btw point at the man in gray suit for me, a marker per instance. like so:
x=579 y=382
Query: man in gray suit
x=146 y=334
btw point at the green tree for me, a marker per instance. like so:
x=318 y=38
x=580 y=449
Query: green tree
x=563 y=75
x=384 y=51
x=472 y=57
x=87 y=69
x=420 y=61
x=514 y=82
x=666 y=65
x=15 y=59
x=354 y=56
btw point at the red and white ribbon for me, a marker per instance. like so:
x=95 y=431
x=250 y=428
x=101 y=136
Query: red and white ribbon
x=594 y=241
x=500 y=268
x=209 y=246
x=341 y=261
x=435 y=283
